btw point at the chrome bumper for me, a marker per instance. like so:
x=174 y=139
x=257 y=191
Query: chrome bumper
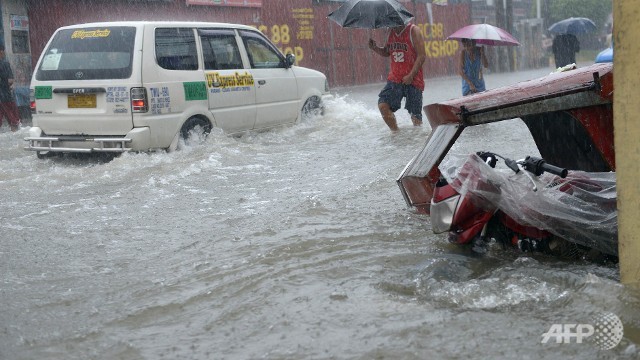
x=85 y=145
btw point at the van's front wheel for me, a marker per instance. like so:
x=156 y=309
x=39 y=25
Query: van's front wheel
x=195 y=130
x=312 y=107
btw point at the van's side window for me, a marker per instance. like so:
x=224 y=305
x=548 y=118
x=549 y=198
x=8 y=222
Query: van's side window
x=176 y=49
x=262 y=55
x=220 y=50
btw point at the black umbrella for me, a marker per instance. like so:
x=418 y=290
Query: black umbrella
x=573 y=26
x=371 y=14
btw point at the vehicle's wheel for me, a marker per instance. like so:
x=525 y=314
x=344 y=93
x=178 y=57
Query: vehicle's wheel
x=195 y=128
x=45 y=154
x=312 y=107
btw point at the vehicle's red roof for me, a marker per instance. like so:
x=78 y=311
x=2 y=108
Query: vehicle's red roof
x=552 y=85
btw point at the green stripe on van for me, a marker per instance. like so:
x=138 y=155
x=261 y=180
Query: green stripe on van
x=196 y=90
x=43 y=92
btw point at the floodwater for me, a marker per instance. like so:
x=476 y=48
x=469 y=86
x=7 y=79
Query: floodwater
x=288 y=244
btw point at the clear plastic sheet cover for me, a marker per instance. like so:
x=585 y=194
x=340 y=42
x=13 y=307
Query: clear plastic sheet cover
x=580 y=208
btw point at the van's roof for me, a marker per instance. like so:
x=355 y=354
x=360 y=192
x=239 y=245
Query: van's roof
x=160 y=23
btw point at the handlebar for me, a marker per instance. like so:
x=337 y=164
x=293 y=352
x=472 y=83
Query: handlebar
x=537 y=166
x=490 y=158
x=534 y=165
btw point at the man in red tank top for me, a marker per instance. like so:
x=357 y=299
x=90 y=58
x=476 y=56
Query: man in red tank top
x=405 y=47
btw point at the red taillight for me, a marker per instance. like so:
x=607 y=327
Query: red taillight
x=32 y=100
x=139 y=102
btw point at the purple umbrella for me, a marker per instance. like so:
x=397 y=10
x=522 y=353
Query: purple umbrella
x=485 y=34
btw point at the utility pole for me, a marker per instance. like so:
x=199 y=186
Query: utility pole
x=509 y=27
x=504 y=20
x=500 y=22
x=626 y=133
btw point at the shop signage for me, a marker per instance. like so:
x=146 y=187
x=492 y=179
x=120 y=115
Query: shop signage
x=243 y=3
x=19 y=22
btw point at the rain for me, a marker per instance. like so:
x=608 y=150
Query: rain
x=290 y=243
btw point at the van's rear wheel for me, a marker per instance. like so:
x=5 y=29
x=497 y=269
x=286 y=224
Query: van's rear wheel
x=195 y=130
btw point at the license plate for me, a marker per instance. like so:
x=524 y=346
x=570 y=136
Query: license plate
x=77 y=101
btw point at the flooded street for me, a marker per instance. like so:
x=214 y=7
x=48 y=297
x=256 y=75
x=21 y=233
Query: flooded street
x=288 y=244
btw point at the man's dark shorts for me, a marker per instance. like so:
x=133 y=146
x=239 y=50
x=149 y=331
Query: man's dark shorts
x=393 y=93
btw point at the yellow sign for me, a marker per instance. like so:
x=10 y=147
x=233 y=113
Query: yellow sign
x=304 y=17
x=76 y=101
x=441 y=48
x=82 y=34
x=431 y=31
x=435 y=45
x=215 y=80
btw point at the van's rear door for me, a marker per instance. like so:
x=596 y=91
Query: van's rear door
x=83 y=79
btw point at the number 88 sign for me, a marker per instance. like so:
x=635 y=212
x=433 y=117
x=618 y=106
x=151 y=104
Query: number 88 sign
x=279 y=34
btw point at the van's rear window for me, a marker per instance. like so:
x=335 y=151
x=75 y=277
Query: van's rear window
x=88 y=54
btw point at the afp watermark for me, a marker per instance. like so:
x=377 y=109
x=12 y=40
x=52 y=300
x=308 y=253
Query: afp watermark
x=607 y=332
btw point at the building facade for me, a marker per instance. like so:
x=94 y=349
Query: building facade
x=297 y=26
x=14 y=35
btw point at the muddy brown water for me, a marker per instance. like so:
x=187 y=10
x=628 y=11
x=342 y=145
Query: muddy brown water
x=288 y=244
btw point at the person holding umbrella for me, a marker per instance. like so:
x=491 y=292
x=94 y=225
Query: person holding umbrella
x=565 y=43
x=405 y=47
x=565 y=47
x=472 y=59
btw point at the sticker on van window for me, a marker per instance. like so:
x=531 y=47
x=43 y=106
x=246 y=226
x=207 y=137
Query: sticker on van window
x=160 y=100
x=88 y=34
x=117 y=94
x=43 y=92
x=196 y=90
x=50 y=61
x=224 y=83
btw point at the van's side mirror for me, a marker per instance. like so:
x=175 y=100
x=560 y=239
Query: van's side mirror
x=290 y=60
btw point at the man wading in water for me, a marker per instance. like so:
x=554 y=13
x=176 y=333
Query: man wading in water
x=405 y=46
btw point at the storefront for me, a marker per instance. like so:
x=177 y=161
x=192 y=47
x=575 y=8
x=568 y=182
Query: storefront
x=300 y=27
x=15 y=37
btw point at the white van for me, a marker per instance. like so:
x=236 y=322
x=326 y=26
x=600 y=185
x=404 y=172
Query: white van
x=141 y=85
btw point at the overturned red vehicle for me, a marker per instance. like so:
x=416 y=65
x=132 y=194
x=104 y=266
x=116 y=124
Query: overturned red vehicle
x=570 y=118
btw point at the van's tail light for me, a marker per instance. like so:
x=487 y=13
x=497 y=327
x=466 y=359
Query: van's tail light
x=139 y=103
x=32 y=101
